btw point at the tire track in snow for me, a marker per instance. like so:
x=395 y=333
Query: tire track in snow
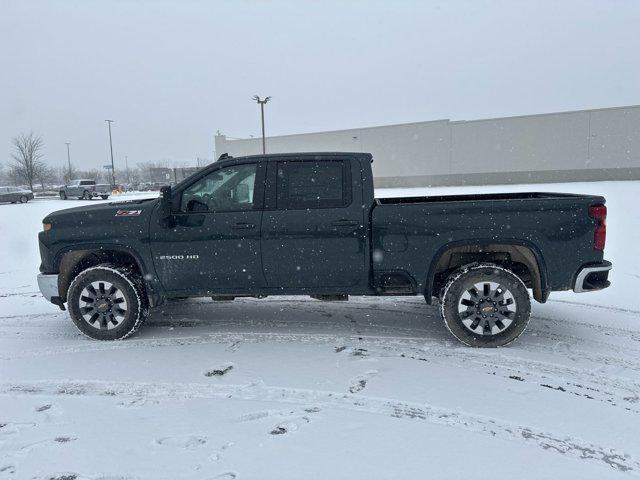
x=592 y=305
x=527 y=344
x=388 y=346
x=558 y=443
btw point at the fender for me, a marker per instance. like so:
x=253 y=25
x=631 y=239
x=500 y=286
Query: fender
x=544 y=282
x=154 y=289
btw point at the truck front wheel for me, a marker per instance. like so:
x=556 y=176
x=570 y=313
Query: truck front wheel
x=485 y=305
x=107 y=302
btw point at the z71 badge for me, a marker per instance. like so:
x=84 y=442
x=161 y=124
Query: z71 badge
x=128 y=213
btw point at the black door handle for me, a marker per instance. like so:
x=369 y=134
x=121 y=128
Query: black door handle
x=243 y=226
x=345 y=223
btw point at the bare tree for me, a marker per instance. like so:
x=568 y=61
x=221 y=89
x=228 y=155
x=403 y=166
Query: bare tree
x=5 y=175
x=46 y=176
x=64 y=176
x=27 y=155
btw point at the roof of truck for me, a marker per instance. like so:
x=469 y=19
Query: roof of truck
x=275 y=156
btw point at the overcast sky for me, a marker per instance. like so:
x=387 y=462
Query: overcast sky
x=172 y=73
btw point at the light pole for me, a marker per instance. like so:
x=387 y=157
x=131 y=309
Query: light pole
x=262 y=102
x=68 y=158
x=113 y=174
x=126 y=165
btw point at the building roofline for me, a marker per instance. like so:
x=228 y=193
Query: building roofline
x=566 y=112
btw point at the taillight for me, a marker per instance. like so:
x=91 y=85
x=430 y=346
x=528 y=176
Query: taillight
x=599 y=212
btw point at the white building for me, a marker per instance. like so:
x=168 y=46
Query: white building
x=586 y=145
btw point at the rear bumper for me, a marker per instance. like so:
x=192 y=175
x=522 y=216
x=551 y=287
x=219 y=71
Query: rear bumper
x=593 y=277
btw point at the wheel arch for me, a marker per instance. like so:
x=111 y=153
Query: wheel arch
x=73 y=260
x=522 y=254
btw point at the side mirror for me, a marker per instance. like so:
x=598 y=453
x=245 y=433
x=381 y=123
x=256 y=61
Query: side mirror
x=165 y=206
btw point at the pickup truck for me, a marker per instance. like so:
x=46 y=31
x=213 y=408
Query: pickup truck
x=308 y=224
x=85 y=190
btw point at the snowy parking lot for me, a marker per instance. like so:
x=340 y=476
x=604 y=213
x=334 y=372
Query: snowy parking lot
x=291 y=387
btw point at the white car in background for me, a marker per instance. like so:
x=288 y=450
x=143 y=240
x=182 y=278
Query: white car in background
x=15 y=195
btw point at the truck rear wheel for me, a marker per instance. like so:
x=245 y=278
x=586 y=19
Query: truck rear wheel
x=485 y=305
x=107 y=302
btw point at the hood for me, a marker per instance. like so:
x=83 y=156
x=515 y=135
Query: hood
x=101 y=210
x=116 y=222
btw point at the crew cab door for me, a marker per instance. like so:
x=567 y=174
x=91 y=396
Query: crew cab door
x=313 y=229
x=213 y=244
x=72 y=189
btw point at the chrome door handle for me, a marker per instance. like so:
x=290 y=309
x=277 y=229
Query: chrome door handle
x=243 y=226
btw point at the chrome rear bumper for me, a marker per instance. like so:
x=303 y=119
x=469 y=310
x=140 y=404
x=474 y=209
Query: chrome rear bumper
x=592 y=277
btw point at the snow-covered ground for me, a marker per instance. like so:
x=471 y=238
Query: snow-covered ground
x=296 y=388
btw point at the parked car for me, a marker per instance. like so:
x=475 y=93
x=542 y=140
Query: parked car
x=85 y=189
x=308 y=224
x=15 y=195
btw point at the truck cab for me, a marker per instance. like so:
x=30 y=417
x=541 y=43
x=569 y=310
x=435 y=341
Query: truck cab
x=292 y=223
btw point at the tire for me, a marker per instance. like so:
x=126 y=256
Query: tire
x=24 y=199
x=86 y=195
x=492 y=317
x=111 y=311
x=63 y=196
x=104 y=197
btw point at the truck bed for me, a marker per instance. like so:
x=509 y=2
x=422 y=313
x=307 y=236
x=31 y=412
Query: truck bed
x=408 y=232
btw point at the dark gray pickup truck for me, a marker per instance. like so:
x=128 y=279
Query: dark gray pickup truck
x=308 y=224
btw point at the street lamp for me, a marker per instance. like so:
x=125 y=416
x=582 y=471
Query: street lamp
x=113 y=175
x=126 y=165
x=68 y=158
x=262 y=102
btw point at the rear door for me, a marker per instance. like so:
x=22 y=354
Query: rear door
x=313 y=233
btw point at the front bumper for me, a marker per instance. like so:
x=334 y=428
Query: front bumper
x=48 y=285
x=593 y=277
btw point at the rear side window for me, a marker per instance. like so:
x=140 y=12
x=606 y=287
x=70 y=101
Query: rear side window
x=308 y=184
x=87 y=182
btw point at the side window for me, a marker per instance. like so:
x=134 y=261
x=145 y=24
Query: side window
x=223 y=190
x=304 y=184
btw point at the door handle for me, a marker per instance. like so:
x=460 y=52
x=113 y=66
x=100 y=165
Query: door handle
x=345 y=223
x=243 y=226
